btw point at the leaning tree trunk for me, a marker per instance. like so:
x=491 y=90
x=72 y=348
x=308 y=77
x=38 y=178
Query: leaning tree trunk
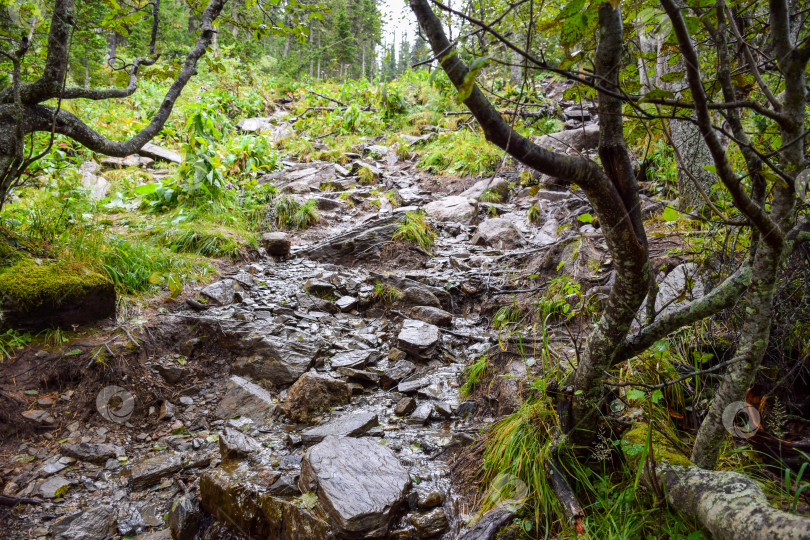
x=612 y=190
x=773 y=227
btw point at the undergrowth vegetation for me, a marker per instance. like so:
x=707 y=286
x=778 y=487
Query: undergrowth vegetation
x=415 y=228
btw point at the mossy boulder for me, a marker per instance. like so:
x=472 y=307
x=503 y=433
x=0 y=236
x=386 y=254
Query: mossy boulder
x=42 y=294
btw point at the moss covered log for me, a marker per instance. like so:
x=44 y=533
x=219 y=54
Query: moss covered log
x=730 y=505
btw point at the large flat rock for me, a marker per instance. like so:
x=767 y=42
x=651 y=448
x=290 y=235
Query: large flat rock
x=160 y=154
x=360 y=484
x=349 y=425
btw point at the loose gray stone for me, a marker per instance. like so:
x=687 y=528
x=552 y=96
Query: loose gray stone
x=346 y=303
x=233 y=444
x=453 y=208
x=432 y=315
x=160 y=154
x=682 y=284
x=276 y=243
x=352 y=359
x=243 y=398
x=349 y=425
x=92 y=453
x=572 y=140
x=39 y=416
x=312 y=394
x=152 y=470
x=53 y=487
x=430 y=524
x=396 y=373
x=93 y=524
x=404 y=406
x=418 y=338
x=417 y=296
x=362 y=496
x=222 y=293
x=422 y=413
x=185 y=517
x=497 y=233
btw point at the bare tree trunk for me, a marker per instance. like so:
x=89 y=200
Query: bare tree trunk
x=112 y=42
x=773 y=246
x=86 y=63
x=687 y=139
x=234 y=16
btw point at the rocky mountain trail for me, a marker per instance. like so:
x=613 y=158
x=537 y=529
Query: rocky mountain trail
x=314 y=390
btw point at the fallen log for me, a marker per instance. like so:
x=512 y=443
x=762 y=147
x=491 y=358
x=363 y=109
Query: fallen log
x=730 y=505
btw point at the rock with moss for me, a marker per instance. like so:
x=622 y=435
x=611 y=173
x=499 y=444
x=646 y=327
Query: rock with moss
x=41 y=295
x=236 y=495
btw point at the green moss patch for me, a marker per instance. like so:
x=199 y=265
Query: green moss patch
x=27 y=285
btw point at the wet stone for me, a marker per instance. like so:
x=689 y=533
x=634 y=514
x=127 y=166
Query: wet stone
x=55 y=486
x=417 y=296
x=150 y=471
x=418 y=338
x=430 y=524
x=432 y=315
x=276 y=243
x=405 y=406
x=185 y=516
x=244 y=398
x=233 y=444
x=396 y=373
x=352 y=359
x=412 y=385
x=349 y=425
x=312 y=394
x=92 y=453
x=361 y=496
x=55 y=464
x=233 y=497
x=346 y=303
x=98 y=522
x=421 y=415
x=430 y=500
x=222 y=293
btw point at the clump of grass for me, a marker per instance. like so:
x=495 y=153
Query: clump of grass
x=534 y=215
x=290 y=214
x=385 y=293
x=416 y=229
x=10 y=341
x=461 y=153
x=346 y=197
x=506 y=316
x=518 y=446
x=140 y=267
x=472 y=376
x=554 y=301
x=201 y=241
x=491 y=196
x=305 y=215
x=365 y=175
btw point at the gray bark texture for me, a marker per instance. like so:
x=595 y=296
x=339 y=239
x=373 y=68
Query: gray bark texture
x=730 y=505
